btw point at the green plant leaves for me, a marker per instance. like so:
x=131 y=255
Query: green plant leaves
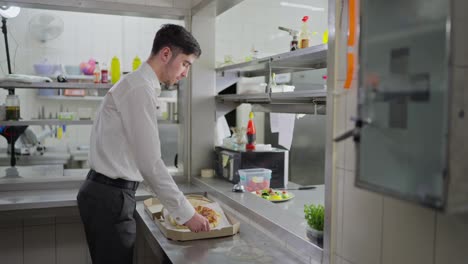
x=314 y=214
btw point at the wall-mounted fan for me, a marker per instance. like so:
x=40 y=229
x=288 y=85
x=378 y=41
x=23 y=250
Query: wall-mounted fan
x=45 y=27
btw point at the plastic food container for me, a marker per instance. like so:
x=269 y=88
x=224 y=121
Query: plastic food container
x=255 y=179
x=45 y=69
x=66 y=115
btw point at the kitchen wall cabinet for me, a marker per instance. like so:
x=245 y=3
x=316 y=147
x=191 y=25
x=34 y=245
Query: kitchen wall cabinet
x=39 y=244
x=71 y=243
x=11 y=245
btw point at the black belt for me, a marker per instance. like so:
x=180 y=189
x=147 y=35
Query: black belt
x=119 y=183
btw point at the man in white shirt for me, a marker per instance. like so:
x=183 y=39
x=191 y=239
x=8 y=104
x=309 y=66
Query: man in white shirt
x=125 y=149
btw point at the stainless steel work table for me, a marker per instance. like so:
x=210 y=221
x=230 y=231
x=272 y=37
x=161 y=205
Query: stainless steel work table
x=284 y=221
x=256 y=242
x=35 y=199
x=249 y=246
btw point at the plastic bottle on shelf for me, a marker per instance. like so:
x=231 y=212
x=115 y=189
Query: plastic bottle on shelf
x=324 y=77
x=294 y=43
x=136 y=63
x=304 y=36
x=325 y=37
x=115 y=70
x=251 y=133
x=97 y=73
x=104 y=74
x=12 y=107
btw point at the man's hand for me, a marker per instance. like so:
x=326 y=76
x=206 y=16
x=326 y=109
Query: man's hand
x=198 y=223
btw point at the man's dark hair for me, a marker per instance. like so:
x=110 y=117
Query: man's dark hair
x=177 y=38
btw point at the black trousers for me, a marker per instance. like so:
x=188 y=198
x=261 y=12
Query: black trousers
x=107 y=211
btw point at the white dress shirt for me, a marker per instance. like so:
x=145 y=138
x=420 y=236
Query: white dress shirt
x=125 y=139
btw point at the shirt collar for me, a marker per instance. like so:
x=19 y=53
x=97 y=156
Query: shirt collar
x=151 y=76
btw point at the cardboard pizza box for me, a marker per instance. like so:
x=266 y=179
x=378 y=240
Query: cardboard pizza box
x=154 y=208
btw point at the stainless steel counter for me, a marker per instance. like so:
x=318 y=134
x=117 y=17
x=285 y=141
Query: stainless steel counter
x=260 y=241
x=285 y=220
x=249 y=246
x=33 y=199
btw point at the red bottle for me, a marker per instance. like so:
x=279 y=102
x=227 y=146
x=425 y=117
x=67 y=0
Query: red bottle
x=251 y=133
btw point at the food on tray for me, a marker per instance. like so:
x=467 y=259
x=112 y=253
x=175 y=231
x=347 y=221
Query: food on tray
x=210 y=214
x=273 y=195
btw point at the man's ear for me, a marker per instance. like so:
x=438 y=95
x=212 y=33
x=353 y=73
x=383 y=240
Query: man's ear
x=165 y=54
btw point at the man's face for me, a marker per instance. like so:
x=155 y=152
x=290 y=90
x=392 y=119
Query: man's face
x=178 y=67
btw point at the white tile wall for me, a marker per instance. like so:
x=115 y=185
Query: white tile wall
x=71 y=244
x=452 y=239
x=39 y=244
x=340 y=260
x=351 y=114
x=340 y=124
x=460 y=38
x=259 y=27
x=338 y=231
x=362 y=223
x=11 y=245
x=408 y=233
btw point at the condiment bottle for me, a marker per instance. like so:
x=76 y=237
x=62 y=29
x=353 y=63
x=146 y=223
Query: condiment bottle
x=104 y=74
x=304 y=35
x=251 y=133
x=115 y=70
x=97 y=73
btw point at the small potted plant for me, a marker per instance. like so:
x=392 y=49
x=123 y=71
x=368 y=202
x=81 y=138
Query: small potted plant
x=314 y=214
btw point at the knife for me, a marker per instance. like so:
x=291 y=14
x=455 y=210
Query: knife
x=309 y=187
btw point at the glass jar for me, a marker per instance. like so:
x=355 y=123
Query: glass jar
x=12 y=106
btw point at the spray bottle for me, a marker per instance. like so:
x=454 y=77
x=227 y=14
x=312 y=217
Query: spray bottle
x=251 y=133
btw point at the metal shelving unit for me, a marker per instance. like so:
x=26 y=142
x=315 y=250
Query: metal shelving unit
x=41 y=122
x=276 y=98
x=54 y=85
x=299 y=60
x=70 y=98
x=311 y=58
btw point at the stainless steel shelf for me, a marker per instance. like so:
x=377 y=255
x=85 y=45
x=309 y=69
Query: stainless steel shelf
x=299 y=60
x=63 y=122
x=317 y=97
x=45 y=122
x=71 y=98
x=244 y=98
x=54 y=85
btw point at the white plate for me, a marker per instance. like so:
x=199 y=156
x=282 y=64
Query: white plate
x=291 y=196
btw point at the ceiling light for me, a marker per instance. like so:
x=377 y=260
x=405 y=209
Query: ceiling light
x=313 y=8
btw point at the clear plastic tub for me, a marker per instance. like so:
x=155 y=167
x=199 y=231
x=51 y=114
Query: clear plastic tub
x=255 y=179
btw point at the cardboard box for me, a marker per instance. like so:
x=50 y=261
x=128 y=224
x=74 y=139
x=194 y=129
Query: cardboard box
x=154 y=209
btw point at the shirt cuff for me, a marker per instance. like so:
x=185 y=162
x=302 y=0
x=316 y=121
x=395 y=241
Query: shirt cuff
x=184 y=213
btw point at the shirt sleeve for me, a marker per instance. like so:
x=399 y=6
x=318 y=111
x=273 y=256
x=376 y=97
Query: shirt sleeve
x=138 y=113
